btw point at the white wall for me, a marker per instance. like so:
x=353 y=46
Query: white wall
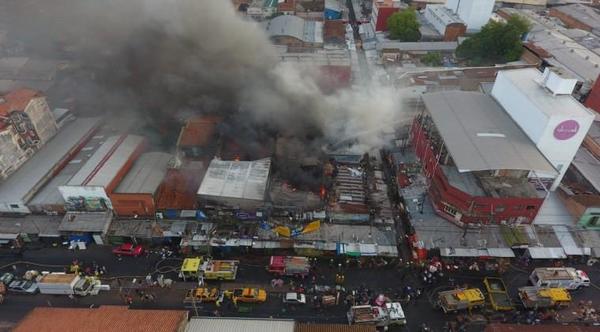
x=532 y=121
x=87 y=192
x=475 y=13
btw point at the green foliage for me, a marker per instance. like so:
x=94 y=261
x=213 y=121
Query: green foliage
x=496 y=42
x=404 y=26
x=432 y=59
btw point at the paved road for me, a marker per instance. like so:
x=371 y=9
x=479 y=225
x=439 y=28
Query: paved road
x=388 y=281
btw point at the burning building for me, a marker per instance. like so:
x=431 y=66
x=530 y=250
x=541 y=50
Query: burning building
x=236 y=184
x=198 y=138
x=347 y=196
x=26 y=123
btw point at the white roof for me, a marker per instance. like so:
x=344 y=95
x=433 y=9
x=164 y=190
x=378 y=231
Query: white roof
x=297 y=27
x=567 y=241
x=526 y=81
x=445 y=15
x=546 y=253
x=236 y=179
x=215 y=324
x=107 y=161
x=480 y=135
x=146 y=174
x=28 y=179
x=588 y=166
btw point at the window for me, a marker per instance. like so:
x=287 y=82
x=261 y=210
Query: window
x=594 y=221
x=14 y=206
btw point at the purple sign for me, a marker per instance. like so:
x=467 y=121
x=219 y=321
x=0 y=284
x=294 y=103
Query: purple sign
x=566 y=130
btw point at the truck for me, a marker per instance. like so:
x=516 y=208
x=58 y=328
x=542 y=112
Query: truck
x=289 y=265
x=539 y=298
x=460 y=299
x=209 y=269
x=499 y=297
x=389 y=314
x=67 y=284
x=561 y=277
x=202 y=295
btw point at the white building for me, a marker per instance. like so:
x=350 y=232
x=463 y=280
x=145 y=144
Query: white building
x=475 y=13
x=542 y=105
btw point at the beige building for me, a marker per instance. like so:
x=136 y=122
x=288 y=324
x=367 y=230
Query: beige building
x=26 y=123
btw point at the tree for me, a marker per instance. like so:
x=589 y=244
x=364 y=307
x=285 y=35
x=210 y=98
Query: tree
x=497 y=42
x=404 y=26
x=432 y=59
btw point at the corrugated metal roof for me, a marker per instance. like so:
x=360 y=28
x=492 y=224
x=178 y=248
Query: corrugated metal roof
x=214 y=324
x=106 y=162
x=546 y=253
x=480 y=135
x=581 y=13
x=146 y=174
x=25 y=182
x=418 y=46
x=236 y=179
x=297 y=27
x=303 y=327
x=105 y=318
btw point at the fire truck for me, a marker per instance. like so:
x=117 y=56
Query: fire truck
x=289 y=265
x=461 y=299
x=208 y=269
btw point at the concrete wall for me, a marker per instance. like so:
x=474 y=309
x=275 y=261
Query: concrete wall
x=42 y=118
x=475 y=13
x=454 y=30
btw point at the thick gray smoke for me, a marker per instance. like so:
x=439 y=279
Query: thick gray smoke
x=167 y=59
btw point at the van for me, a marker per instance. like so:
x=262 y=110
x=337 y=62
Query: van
x=563 y=277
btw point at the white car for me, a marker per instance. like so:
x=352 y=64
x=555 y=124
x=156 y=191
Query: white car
x=23 y=287
x=294 y=298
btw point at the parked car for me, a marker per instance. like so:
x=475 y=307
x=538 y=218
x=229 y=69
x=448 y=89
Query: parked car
x=249 y=295
x=7 y=278
x=23 y=287
x=294 y=298
x=128 y=249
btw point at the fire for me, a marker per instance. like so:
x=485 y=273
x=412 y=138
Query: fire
x=323 y=192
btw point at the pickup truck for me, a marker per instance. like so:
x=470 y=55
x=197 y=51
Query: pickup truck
x=538 y=298
x=461 y=299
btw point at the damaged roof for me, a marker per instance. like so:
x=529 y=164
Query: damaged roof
x=236 y=179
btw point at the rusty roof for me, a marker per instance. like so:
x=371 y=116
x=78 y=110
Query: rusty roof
x=102 y=319
x=198 y=131
x=537 y=328
x=334 y=328
x=16 y=100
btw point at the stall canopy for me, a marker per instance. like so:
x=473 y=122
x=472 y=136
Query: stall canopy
x=567 y=241
x=471 y=252
x=546 y=253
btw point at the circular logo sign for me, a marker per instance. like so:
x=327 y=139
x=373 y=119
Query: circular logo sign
x=566 y=130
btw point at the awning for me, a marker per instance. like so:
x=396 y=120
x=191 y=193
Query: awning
x=266 y=244
x=350 y=249
x=546 y=253
x=367 y=249
x=8 y=236
x=567 y=241
x=500 y=252
x=462 y=252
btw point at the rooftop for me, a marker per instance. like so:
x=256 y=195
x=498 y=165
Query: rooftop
x=96 y=222
x=582 y=13
x=418 y=46
x=146 y=174
x=236 y=179
x=103 y=166
x=526 y=80
x=28 y=179
x=215 y=324
x=17 y=100
x=480 y=135
x=198 y=131
x=443 y=14
x=294 y=26
x=104 y=318
x=308 y=327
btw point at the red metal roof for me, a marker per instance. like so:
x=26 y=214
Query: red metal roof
x=178 y=189
x=103 y=319
x=537 y=328
x=199 y=131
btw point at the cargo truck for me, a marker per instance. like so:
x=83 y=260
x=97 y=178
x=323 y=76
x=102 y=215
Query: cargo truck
x=461 y=299
x=289 y=266
x=67 y=284
x=390 y=314
x=539 y=298
x=498 y=295
x=562 y=277
x=208 y=269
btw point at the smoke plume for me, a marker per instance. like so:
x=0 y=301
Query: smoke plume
x=164 y=60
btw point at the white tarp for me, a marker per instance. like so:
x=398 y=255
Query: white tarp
x=546 y=253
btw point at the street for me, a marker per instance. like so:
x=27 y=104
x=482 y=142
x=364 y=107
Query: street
x=252 y=272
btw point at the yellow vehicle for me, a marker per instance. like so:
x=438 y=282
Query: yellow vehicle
x=534 y=297
x=498 y=295
x=248 y=295
x=198 y=267
x=461 y=299
x=202 y=295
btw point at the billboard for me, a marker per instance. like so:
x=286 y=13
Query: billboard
x=85 y=198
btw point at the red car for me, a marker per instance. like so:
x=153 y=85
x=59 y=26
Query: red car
x=128 y=249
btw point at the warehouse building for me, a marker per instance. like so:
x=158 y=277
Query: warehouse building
x=136 y=195
x=242 y=184
x=295 y=32
x=88 y=189
x=21 y=186
x=445 y=22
